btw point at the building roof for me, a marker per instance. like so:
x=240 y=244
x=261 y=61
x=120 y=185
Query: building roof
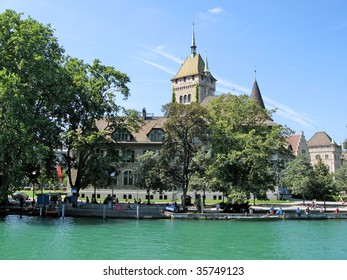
x=256 y=95
x=193 y=65
x=293 y=142
x=140 y=136
x=207 y=100
x=320 y=138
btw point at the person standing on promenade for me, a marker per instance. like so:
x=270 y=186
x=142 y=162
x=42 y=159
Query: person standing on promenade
x=298 y=212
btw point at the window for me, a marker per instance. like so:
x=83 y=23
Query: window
x=121 y=135
x=99 y=152
x=113 y=154
x=127 y=178
x=317 y=156
x=181 y=99
x=326 y=156
x=129 y=156
x=185 y=99
x=156 y=135
x=189 y=98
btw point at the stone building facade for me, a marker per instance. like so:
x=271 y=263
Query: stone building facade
x=193 y=81
x=321 y=145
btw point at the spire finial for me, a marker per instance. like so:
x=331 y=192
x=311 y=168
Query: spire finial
x=206 y=70
x=193 y=46
x=255 y=73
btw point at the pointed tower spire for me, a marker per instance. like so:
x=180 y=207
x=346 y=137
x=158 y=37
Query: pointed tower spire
x=193 y=46
x=256 y=95
x=206 y=70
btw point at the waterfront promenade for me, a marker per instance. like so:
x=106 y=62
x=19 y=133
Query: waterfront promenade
x=157 y=211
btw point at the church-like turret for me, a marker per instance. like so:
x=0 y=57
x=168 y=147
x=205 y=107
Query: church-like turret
x=194 y=72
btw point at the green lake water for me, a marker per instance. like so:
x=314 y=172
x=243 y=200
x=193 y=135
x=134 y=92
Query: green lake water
x=35 y=238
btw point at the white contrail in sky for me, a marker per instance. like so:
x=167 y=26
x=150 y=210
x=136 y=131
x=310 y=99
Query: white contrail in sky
x=225 y=86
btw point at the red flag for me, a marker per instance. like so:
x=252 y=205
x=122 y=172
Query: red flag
x=60 y=173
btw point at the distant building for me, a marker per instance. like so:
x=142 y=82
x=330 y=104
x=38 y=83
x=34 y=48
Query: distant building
x=193 y=81
x=297 y=144
x=321 y=145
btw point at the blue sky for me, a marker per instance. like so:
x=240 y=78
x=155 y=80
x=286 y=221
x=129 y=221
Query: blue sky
x=298 y=48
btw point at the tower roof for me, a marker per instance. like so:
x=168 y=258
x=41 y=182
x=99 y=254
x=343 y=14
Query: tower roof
x=256 y=95
x=320 y=138
x=191 y=66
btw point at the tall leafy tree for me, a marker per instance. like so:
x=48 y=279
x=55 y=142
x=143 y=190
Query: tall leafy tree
x=147 y=173
x=185 y=132
x=325 y=185
x=299 y=176
x=200 y=181
x=340 y=176
x=244 y=146
x=93 y=91
x=32 y=88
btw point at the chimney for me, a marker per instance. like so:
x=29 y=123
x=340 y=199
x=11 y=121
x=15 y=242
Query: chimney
x=144 y=114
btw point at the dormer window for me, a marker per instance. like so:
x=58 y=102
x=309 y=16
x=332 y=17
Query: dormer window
x=156 y=135
x=121 y=135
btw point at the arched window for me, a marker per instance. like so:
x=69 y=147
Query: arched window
x=156 y=135
x=181 y=99
x=128 y=178
x=189 y=98
x=185 y=99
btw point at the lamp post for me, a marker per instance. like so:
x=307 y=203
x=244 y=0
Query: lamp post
x=113 y=176
x=34 y=176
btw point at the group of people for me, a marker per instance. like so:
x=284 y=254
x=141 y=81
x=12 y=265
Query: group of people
x=278 y=212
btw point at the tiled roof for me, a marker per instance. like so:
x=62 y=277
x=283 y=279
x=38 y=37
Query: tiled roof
x=142 y=134
x=191 y=66
x=207 y=100
x=320 y=138
x=293 y=142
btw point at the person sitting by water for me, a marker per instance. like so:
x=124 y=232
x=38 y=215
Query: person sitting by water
x=272 y=210
x=298 y=212
x=341 y=199
x=307 y=211
x=279 y=212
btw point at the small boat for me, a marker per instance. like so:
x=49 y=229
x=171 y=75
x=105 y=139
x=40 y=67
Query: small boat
x=260 y=218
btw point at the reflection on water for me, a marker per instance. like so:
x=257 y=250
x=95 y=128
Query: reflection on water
x=40 y=238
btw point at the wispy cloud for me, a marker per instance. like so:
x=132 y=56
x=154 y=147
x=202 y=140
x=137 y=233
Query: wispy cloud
x=288 y=113
x=342 y=25
x=210 y=13
x=156 y=65
x=216 y=10
x=160 y=50
x=225 y=86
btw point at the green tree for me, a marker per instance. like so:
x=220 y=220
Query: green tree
x=32 y=88
x=173 y=95
x=340 y=176
x=147 y=173
x=196 y=93
x=185 y=132
x=325 y=185
x=93 y=90
x=200 y=181
x=299 y=176
x=244 y=146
